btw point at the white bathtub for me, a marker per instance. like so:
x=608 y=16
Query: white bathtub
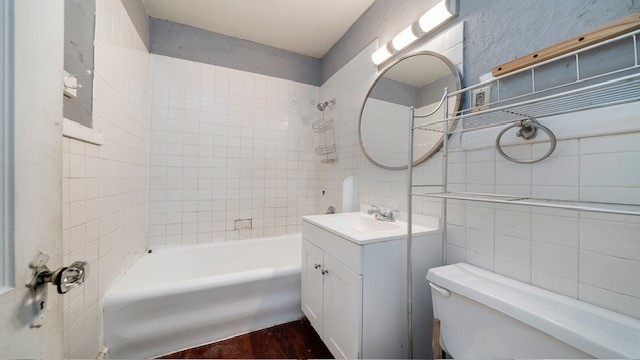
x=177 y=298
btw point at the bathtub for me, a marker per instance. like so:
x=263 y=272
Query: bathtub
x=181 y=297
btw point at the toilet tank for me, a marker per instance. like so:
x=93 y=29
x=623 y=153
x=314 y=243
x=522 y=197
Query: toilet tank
x=486 y=315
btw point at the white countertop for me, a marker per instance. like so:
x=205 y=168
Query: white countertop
x=361 y=228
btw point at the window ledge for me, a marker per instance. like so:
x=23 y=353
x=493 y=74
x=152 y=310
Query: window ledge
x=72 y=129
x=5 y=290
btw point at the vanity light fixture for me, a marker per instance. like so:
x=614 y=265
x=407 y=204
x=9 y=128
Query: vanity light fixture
x=406 y=37
x=437 y=15
x=382 y=54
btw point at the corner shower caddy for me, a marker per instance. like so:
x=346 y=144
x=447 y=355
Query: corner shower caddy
x=325 y=140
x=615 y=87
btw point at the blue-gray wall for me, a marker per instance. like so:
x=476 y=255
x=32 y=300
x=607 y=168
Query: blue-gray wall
x=496 y=31
x=394 y=91
x=383 y=20
x=190 y=43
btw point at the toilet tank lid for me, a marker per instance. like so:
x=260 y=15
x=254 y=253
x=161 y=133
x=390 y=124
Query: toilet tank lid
x=592 y=329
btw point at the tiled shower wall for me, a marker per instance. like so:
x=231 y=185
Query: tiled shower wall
x=228 y=145
x=593 y=257
x=105 y=206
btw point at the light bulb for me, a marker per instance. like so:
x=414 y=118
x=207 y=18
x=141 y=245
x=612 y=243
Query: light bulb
x=434 y=17
x=381 y=55
x=403 y=39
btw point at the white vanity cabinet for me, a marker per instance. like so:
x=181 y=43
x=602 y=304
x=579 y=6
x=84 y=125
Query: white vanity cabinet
x=332 y=299
x=354 y=289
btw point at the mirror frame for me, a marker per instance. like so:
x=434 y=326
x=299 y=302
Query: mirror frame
x=438 y=145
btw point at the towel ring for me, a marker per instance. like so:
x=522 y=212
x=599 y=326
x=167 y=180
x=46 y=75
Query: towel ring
x=528 y=130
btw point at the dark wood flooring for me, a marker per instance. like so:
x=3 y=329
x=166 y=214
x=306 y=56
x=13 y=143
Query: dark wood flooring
x=293 y=340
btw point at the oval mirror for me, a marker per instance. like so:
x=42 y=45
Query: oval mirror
x=416 y=80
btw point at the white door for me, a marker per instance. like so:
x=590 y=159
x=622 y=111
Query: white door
x=342 y=309
x=312 y=287
x=33 y=214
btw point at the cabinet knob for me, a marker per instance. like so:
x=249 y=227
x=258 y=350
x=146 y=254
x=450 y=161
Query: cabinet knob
x=325 y=271
x=317 y=266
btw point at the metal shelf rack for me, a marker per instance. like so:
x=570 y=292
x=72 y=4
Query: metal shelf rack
x=618 y=86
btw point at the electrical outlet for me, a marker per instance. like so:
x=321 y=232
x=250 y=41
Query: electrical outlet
x=480 y=99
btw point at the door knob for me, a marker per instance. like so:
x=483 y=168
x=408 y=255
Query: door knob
x=317 y=266
x=325 y=271
x=64 y=278
x=70 y=277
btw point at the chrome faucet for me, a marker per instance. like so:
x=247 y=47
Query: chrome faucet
x=383 y=214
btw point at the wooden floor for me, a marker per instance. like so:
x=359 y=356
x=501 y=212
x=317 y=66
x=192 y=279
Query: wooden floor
x=294 y=340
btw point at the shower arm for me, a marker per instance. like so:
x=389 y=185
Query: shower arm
x=327 y=104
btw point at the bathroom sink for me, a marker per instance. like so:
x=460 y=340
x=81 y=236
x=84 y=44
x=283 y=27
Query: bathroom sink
x=363 y=228
x=371 y=225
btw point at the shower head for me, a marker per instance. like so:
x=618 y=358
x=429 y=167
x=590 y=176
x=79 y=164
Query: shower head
x=326 y=104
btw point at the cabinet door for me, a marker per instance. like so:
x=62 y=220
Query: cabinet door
x=312 y=299
x=342 y=309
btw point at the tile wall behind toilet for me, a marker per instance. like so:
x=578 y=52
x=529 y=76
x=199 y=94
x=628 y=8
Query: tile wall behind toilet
x=227 y=145
x=590 y=256
x=105 y=187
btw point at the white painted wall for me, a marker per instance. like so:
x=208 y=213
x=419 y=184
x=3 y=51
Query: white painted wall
x=225 y=145
x=105 y=205
x=39 y=33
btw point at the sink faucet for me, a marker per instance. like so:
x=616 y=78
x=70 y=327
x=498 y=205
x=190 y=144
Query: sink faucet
x=383 y=214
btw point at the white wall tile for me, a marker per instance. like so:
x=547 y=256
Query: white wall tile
x=512 y=223
x=455 y=254
x=610 y=238
x=521 y=273
x=622 y=195
x=555 y=230
x=481 y=242
x=557 y=171
x=610 y=273
x=456 y=235
x=510 y=173
x=610 y=144
x=554 y=259
x=480 y=260
x=555 y=283
x=480 y=218
x=569 y=147
x=610 y=170
x=615 y=301
x=513 y=250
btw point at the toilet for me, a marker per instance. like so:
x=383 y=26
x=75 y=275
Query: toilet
x=486 y=315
